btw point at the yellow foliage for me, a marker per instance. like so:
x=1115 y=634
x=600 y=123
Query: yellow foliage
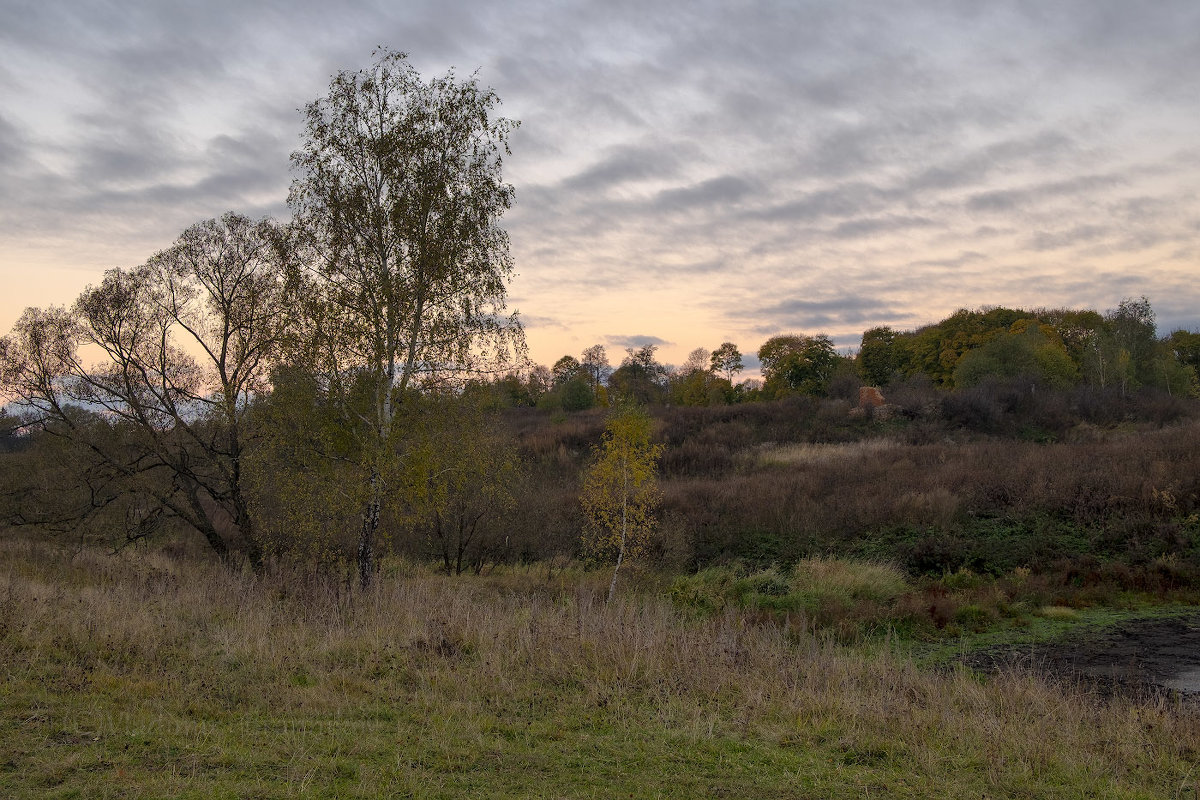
x=620 y=492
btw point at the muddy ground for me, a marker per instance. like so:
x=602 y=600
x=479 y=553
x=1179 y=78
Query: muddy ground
x=1145 y=658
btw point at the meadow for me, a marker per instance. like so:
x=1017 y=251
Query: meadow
x=150 y=674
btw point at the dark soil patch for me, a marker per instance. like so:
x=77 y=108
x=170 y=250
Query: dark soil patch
x=1141 y=658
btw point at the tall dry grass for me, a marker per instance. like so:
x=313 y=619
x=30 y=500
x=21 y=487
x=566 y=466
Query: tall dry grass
x=144 y=631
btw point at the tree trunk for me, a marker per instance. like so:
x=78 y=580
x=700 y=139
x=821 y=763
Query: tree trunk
x=366 y=537
x=612 y=587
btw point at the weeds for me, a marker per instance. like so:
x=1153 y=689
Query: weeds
x=141 y=675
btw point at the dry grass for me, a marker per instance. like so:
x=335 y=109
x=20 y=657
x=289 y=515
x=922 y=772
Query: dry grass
x=143 y=676
x=773 y=454
x=864 y=580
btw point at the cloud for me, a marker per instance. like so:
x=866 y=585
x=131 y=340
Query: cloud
x=962 y=259
x=535 y=321
x=877 y=225
x=884 y=161
x=1004 y=200
x=636 y=341
x=721 y=191
x=1045 y=240
x=625 y=164
x=843 y=200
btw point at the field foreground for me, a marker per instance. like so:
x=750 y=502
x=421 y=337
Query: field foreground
x=142 y=676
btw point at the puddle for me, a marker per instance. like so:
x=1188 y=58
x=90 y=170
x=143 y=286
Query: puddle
x=1186 y=682
x=1137 y=657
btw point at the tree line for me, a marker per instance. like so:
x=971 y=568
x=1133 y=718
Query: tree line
x=1053 y=348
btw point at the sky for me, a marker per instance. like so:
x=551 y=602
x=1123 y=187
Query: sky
x=686 y=172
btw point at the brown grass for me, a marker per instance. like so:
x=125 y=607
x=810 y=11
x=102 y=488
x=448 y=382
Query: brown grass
x=101 y=645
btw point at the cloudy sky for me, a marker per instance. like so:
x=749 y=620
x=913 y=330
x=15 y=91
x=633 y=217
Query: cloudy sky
x=687 y=172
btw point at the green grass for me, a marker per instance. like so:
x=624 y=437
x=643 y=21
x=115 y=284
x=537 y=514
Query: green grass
x=141 y=676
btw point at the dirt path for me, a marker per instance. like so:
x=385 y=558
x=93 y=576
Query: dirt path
x=1147 y=656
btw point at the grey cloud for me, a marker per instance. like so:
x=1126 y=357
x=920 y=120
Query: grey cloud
x=975 y=167
x=1014 y=199
x=964 y=258
x=825 y=125
x=839 y=201
x=715 y=191
x=1045 y=240
x=838 y=311
x=624 y=164
x=13 y=146
x=875 y=225
x=535 y=321
x=635 y=341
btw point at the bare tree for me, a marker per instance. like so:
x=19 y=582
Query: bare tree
x=183 y=344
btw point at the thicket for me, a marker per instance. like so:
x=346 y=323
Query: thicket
x=1091 y=485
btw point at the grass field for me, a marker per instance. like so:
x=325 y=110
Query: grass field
x=140 y=676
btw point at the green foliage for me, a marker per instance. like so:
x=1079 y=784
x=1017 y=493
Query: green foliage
x=726 y=360
x=460 y=473
x=306 y=479
x=1131 y=325
x=565 y=369
x=1185 y=346
x=1174 y=367
x=1058 y=347
x=594 y=362
x=797 y=364
x=577 y=394
x=640 y=379
x=1027 y=350
x=700 y=387
x=878 y=358
x=847 y=597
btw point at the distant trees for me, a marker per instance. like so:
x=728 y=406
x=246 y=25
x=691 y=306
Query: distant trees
x=726 y=360
x=695 y=384
x=1057 y=347
x=397 y=201
x=572 y=385
x=640 y=378
x=878 y=360
x=1027 y=350
x=796 y=363
x=595 y=363
x=565 y=369
x=1185 y=347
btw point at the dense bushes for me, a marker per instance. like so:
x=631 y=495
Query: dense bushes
x=988 y=479
x=991 y=478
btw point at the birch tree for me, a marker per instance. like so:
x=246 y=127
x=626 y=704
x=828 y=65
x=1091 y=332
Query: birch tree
x=397 y=197
x=620 y=490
